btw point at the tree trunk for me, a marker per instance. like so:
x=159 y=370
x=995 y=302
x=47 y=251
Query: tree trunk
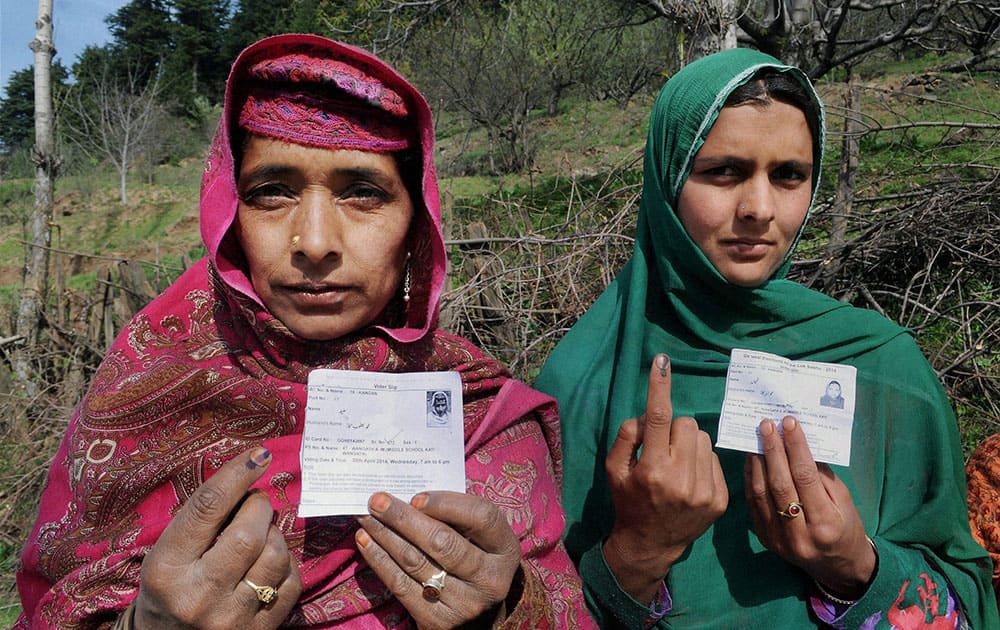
x=843 y=203
x=800 y=12
x=713 y=30
x=45 y=159
x=708 y=26
x=123 y=171
x=123 y=185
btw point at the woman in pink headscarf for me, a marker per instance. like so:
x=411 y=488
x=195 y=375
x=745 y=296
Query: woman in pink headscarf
x=172 y=501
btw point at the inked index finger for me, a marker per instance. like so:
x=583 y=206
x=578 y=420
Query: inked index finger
x=659 y=414
x=198 y=523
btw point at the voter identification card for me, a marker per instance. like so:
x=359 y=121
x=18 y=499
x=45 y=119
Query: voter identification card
x=820 y=396
x=371 y=431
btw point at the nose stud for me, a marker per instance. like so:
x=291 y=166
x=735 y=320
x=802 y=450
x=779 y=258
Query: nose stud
x=295 y=240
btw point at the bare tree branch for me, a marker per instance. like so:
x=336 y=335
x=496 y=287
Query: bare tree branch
x=118 y=120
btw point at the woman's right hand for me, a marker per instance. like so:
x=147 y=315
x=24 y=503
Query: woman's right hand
x=193 y=577
x=665 y=498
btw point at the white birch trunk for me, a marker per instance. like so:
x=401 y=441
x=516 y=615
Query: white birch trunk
x=44 y=155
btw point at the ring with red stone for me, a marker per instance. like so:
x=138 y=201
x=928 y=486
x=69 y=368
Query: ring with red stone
x=794 y=510
x=434 y=586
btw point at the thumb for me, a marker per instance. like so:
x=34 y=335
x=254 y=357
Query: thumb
x=623 y=454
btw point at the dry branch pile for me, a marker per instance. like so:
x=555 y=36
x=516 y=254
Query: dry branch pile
x=515 y=293
x=931 y=262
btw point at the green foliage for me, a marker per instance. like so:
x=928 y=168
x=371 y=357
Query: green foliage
x=17 y=108
x=16 y=198
x=141 y=34
x=253 y=20
x=197 y=60
x=9 y=554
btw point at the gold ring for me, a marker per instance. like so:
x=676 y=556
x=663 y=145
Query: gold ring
x=434 y=586
x=794 y=510
x=265 y=594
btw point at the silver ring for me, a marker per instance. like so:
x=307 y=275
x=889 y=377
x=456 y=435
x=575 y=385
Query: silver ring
x=794 y=510
x=434 y=585
x=265 y=594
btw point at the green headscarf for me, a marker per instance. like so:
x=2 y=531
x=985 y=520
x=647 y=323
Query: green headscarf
x=670 y=298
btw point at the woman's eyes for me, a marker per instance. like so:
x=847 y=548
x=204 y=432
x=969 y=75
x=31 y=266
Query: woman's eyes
x=267 y=195
x=793 y=173
x=726 y=170
x=784 y=172
x=364 y=190
x=279 y=195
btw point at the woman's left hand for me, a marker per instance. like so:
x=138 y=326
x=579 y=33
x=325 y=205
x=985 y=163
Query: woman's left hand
x=464 y=535
x=824 y=534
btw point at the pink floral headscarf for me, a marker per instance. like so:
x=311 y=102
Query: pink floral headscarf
x=370 y=83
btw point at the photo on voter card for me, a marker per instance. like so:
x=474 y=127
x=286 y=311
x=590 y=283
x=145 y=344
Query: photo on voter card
x=438 y=408
x=833 y=395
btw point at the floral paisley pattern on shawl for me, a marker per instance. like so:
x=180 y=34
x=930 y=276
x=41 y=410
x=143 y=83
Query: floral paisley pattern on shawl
x=204 y=372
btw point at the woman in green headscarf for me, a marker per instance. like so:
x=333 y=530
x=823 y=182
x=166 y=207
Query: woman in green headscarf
x=667 y=531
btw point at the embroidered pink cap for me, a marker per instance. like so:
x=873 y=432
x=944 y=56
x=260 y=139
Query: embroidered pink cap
x=322 y=102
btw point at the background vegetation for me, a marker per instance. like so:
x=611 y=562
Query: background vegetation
x=541 y=114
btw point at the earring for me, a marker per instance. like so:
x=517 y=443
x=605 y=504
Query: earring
x=406 y=281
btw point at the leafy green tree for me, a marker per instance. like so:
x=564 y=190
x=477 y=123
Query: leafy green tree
x=197 y=48
x=92 y=63
x=17 y=109
x=306 y=16
x=142 y=37
x=253 y=20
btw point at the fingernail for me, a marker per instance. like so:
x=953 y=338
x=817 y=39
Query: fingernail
x=789 y=424
x=259 y=457
x=379 y=502
x=362 y=538
x=662 y=363
x=766 y=427
x=419 y=501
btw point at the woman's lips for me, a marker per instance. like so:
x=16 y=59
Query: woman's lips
x=316 y=295
x=748 y=248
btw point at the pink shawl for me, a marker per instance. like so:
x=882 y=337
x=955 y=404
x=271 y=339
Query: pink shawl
x=205 y=372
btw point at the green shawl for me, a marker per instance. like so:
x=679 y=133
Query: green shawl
x=906 y=471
